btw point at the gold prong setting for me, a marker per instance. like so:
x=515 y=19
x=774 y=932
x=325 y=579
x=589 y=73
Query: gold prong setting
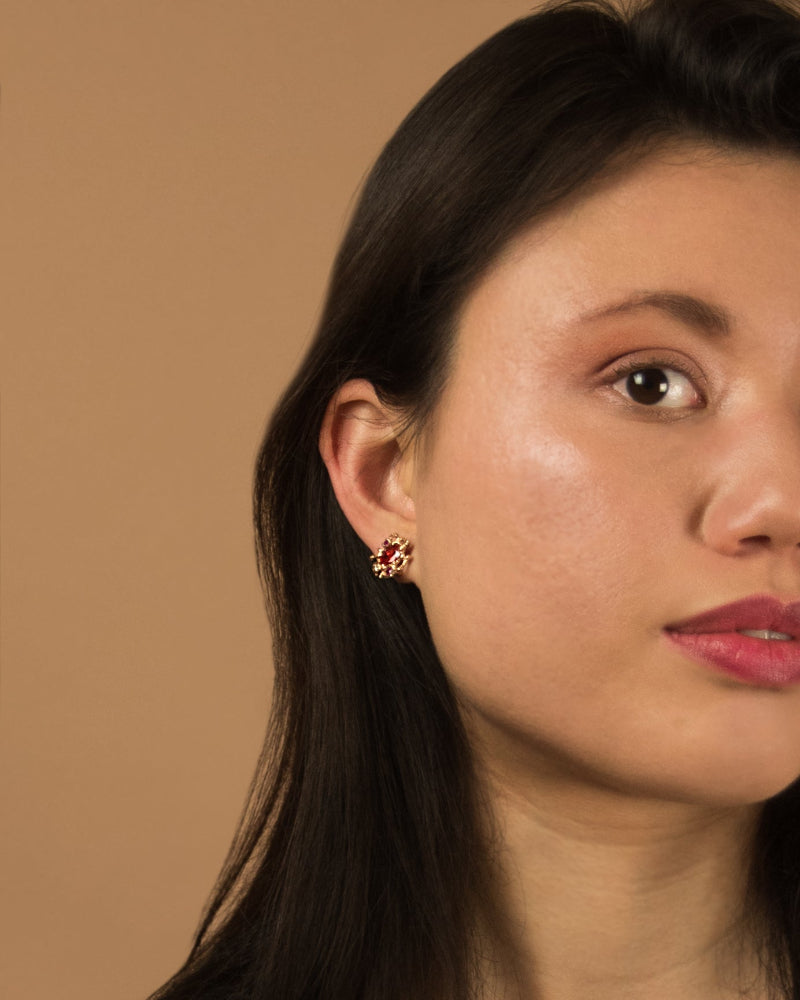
x=392 y=557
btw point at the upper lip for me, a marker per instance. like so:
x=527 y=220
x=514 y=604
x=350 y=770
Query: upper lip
x=759 y=613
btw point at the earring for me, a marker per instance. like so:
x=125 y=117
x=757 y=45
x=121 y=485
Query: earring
x=392 y=557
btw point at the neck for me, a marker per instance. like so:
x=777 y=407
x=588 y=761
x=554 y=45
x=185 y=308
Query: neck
x=609 y=895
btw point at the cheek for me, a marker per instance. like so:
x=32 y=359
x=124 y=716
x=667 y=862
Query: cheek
x=528 y=552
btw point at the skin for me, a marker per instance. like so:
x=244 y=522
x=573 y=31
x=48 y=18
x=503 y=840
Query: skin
x=559 y=526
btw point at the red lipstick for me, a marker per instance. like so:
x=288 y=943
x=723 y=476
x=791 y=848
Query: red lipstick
x=715 y=638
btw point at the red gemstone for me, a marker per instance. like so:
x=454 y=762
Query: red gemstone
x=388 y=555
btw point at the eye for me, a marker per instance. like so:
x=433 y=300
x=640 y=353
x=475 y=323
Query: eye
x=663 y=387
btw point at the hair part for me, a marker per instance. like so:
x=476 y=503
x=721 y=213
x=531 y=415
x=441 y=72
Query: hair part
x=362 y=866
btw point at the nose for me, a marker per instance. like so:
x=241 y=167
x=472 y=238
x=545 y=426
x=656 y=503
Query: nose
x=754 y=504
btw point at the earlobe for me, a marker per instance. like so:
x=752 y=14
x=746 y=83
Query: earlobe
x=368 y=467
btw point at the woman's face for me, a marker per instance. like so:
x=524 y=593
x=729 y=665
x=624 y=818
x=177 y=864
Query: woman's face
x=616 y=451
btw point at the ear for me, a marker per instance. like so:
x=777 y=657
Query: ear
x=371 y=473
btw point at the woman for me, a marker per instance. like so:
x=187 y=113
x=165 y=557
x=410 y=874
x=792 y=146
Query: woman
x=548 y=746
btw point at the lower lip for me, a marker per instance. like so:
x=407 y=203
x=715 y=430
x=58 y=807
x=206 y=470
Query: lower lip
x=761 y=662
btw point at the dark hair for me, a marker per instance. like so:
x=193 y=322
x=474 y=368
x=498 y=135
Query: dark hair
x=362 y=866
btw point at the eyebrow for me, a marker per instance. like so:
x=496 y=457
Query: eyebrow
x=687 y=309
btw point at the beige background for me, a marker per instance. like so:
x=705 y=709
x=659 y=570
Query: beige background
x=175 y=177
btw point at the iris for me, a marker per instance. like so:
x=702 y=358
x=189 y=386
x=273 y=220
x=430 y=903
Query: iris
x=647 y=386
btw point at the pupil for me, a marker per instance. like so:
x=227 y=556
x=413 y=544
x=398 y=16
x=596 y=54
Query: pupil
x=648 y=386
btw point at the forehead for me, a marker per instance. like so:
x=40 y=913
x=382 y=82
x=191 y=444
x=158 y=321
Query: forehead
x=719 y=226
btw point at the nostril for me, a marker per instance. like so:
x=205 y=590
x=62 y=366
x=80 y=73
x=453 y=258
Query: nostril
x=761 y=540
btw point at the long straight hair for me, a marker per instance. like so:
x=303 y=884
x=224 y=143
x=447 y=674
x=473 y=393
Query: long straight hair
x=362 y=865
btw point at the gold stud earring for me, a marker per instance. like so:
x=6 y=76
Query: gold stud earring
x=392 y=557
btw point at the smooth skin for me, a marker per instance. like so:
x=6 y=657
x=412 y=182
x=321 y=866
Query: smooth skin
x=560 y=524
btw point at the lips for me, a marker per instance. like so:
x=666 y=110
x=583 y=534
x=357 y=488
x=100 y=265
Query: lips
x=715 y=638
